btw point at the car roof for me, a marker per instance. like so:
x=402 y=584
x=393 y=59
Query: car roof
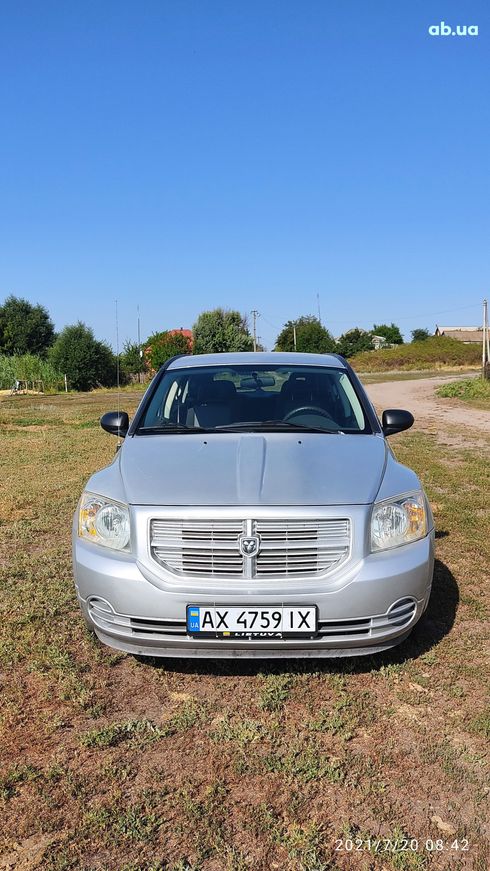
x=271 y=358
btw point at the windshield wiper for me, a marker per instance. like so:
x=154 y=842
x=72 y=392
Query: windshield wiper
x=279 y=424
x=244 y=426
x=251 y=425
x=169 y=428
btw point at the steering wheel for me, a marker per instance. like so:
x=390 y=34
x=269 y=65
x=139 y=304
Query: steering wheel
x=305 y=409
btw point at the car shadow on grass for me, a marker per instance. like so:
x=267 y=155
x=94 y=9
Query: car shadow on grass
x=436 y=623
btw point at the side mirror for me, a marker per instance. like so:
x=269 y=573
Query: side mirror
x=115 y=422
x=396 y=420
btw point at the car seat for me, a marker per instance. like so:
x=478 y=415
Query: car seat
x=210 y=403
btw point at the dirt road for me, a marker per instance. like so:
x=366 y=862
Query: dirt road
x=430 y=411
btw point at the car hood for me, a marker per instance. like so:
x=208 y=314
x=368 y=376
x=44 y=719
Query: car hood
x=252 y=469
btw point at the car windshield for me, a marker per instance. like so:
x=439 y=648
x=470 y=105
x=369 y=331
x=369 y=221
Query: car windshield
x=254 y=399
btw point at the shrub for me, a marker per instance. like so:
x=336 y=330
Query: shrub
x=469 y=388
x=311 y=337
x=87 y=362
x=221 y=330
x=391 y=333
x=420 y=335
x=161 y=346
x=30 y=368
x=354 y=341
x=132 y=362
x=435 y=353
x=24 y=328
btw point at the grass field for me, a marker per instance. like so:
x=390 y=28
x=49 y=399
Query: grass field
x=108 y=762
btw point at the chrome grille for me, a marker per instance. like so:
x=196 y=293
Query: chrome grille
x=296 y=547
x=108 y=620
x=288 y=547
x=197 y=547
x=398 y=616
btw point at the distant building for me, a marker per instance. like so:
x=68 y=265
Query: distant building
x=147 y=351
x=187 y=333
x=468 y=335
x=377 y=342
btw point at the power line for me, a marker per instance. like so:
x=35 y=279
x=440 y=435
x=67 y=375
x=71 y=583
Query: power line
x=396 y=318
x=411 y=317
x=443 y=312
x=274 y=326
x=348 y=318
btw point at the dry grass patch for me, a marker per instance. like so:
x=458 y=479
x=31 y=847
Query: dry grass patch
x=108 y=762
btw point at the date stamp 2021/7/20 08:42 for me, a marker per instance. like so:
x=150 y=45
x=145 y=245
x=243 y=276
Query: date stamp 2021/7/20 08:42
x=401 y=845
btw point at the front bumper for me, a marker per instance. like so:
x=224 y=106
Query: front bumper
x=381 y=600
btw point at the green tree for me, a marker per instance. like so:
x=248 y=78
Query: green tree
x=420 y=335
x=391 y=333
x=354 y=341
x=132 y=361
x=86 y=362
x=221 y=330
x=311 y=336
x=161 y=346
x=24 y=328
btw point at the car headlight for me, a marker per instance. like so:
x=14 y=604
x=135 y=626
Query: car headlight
x=398 y=521
x=104 y=522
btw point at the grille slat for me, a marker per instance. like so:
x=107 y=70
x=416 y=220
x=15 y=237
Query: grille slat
x=194 y=544
x=288 y=548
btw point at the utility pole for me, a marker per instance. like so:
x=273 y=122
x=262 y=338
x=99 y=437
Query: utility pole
x=140 y=352
x=318 y=303
x=255 y=315
x=486 y=343
x=294 y=336
x=118 y=362
x=488 y=335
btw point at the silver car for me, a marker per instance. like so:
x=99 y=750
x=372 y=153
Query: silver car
x=254 y=509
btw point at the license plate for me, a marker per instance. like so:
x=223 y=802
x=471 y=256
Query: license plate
x=279 y=621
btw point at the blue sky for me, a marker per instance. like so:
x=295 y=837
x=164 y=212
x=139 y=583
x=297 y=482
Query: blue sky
x=187 y=154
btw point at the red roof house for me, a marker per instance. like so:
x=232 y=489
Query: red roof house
x=187 y=333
